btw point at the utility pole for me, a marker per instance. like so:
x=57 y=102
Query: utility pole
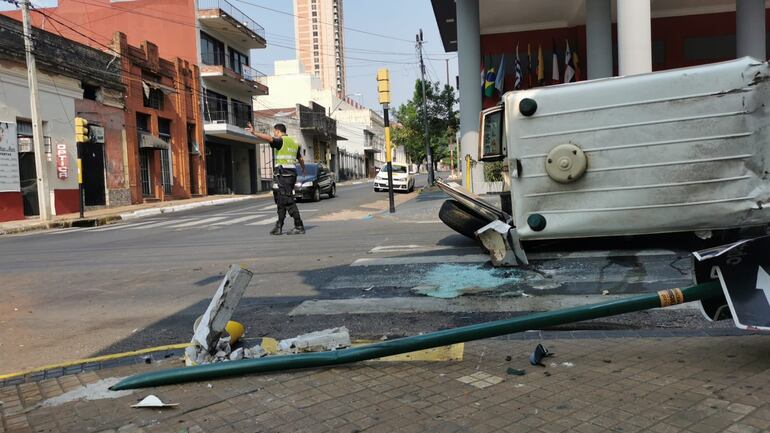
x=447 y=71
x=383 y=92
x=41 y=169
x=428 y=150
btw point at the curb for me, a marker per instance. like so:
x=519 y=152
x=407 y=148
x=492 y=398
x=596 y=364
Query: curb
x=169 y=209
x=80 y=222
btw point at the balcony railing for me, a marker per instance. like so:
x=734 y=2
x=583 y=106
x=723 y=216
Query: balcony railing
x=228 y=117
x=247 y=72
x=235 y=13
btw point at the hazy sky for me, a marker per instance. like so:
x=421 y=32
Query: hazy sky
x=400 y=20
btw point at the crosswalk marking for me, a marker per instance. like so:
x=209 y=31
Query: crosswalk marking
x=264 y=222
x=237 y=220
x=68 y=230
x=120 y=226
x=394 y=261
x=157 y=224
x=197 y=222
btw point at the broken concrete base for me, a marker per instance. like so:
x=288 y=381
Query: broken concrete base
x=319 y=341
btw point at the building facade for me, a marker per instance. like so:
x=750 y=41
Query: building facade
x=212 y=34
x=89 y=84
x=607 y=37
x=319 y=39
x=163 y=123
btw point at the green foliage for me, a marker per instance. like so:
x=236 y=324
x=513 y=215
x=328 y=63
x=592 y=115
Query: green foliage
x=443 y=121
x=493 y=171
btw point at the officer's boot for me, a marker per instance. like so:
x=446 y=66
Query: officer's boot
x=297 y=230
x=277 y=230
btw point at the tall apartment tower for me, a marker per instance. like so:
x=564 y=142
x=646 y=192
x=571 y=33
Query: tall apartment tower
x=318 y=33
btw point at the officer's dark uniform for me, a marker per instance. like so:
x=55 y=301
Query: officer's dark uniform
x=286 y=177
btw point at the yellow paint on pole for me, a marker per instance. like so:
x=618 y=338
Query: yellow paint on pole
x=388 y=150
x=453 y=352
x=80 y=171
x=468 y=173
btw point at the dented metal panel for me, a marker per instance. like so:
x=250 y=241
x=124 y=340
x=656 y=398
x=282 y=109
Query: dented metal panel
x=678 y=150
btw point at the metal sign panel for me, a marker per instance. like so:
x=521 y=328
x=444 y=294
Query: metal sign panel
x=743 y=270
x=97 y=133
x=9 y=158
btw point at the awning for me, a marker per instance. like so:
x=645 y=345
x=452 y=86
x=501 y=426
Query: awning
x=147 y=85
x=149 y=141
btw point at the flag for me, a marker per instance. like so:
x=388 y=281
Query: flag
x=569 y=69
x=500 y=79
x=530 y=65
x=555 y=65
x=489 y=83
x=517 y=81
x=540 y=65
x=576 y=63
x=483 y=76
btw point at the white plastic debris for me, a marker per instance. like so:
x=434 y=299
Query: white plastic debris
x=236 y=354
x=152 y=401
x=254 y=352
x=319 y=341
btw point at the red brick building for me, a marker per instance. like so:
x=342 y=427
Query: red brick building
x=163 y=127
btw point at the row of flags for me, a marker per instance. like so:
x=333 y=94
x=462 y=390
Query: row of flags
x=493 y=80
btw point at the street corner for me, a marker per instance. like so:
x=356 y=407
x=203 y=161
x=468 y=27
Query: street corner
x=592 y=384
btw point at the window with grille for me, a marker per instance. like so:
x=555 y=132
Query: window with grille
x=154 y=99
x=164 y=132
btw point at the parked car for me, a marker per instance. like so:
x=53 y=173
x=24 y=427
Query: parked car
x=403 y=180
x=317 y=180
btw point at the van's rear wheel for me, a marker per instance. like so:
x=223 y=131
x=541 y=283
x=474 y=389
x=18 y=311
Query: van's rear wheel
x=461 y=219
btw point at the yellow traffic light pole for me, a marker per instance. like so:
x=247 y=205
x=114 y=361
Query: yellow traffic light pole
x=383 y=91
x=82 y=135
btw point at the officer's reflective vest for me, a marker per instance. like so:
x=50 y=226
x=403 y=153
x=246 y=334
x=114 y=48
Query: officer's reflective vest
x=286 y=156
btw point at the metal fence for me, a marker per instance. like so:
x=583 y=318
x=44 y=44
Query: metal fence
x=230 y=117
x=235 y=13
x=246 y=71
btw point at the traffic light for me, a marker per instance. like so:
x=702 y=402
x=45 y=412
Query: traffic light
x=82 y=133
x=383 y=85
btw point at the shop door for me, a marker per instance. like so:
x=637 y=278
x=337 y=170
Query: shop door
x=28 y=177
x=92 y=159
x=145 y=159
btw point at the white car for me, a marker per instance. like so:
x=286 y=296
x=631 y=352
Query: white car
x=403 y=180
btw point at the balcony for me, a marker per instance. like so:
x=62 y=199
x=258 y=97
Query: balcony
x=228 y=125
x=225 y=20
x=238 y=79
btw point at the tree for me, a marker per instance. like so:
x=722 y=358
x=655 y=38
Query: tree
x=442 y=122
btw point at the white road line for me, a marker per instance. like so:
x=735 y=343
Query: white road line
x=159 y=224
x=264 y=222
x=197 y=222
x=413 y=304
x=270 y=206
x=69 y=230
x=415 y=260
x=237 y=220
x=121 y=226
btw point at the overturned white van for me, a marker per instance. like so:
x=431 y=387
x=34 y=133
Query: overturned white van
x=672 y=151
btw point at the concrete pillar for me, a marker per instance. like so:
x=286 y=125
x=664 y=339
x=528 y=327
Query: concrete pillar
x=599 y=38
x=634 y=37
x=750 y=28
x=469 y=67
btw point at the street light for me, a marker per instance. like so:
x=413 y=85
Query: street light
x=343 y=100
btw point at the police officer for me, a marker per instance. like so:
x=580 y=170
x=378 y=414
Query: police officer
x=287 y=155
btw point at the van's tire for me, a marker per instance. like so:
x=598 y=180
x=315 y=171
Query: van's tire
x=460 y=219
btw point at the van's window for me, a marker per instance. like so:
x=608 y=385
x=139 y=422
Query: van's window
x=493 y=137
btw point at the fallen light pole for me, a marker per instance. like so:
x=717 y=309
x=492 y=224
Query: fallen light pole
x=663 y=298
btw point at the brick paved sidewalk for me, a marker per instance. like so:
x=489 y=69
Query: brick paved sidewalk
x=690 y=384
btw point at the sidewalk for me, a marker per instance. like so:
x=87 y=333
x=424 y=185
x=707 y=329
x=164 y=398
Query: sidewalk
x=593 y=384
x=108 y=215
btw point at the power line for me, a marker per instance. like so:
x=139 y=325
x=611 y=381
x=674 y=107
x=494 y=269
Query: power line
x=322 y=22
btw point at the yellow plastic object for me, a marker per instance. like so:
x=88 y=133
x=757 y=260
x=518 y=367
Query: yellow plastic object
x=235 y=330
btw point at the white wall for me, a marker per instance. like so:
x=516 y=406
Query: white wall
x=57 y=111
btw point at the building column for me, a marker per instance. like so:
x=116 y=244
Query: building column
x=634 y=37
x=469 y=64
x=599 y=38
x=750 y=28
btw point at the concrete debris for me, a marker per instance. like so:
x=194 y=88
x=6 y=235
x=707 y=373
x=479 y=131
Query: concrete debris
x=605 y=292
x=254 y=352
x=221 y=307
x=319 y=341
x=236 y=354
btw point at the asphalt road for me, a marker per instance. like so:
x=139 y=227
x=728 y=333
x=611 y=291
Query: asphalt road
x=79 y=292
